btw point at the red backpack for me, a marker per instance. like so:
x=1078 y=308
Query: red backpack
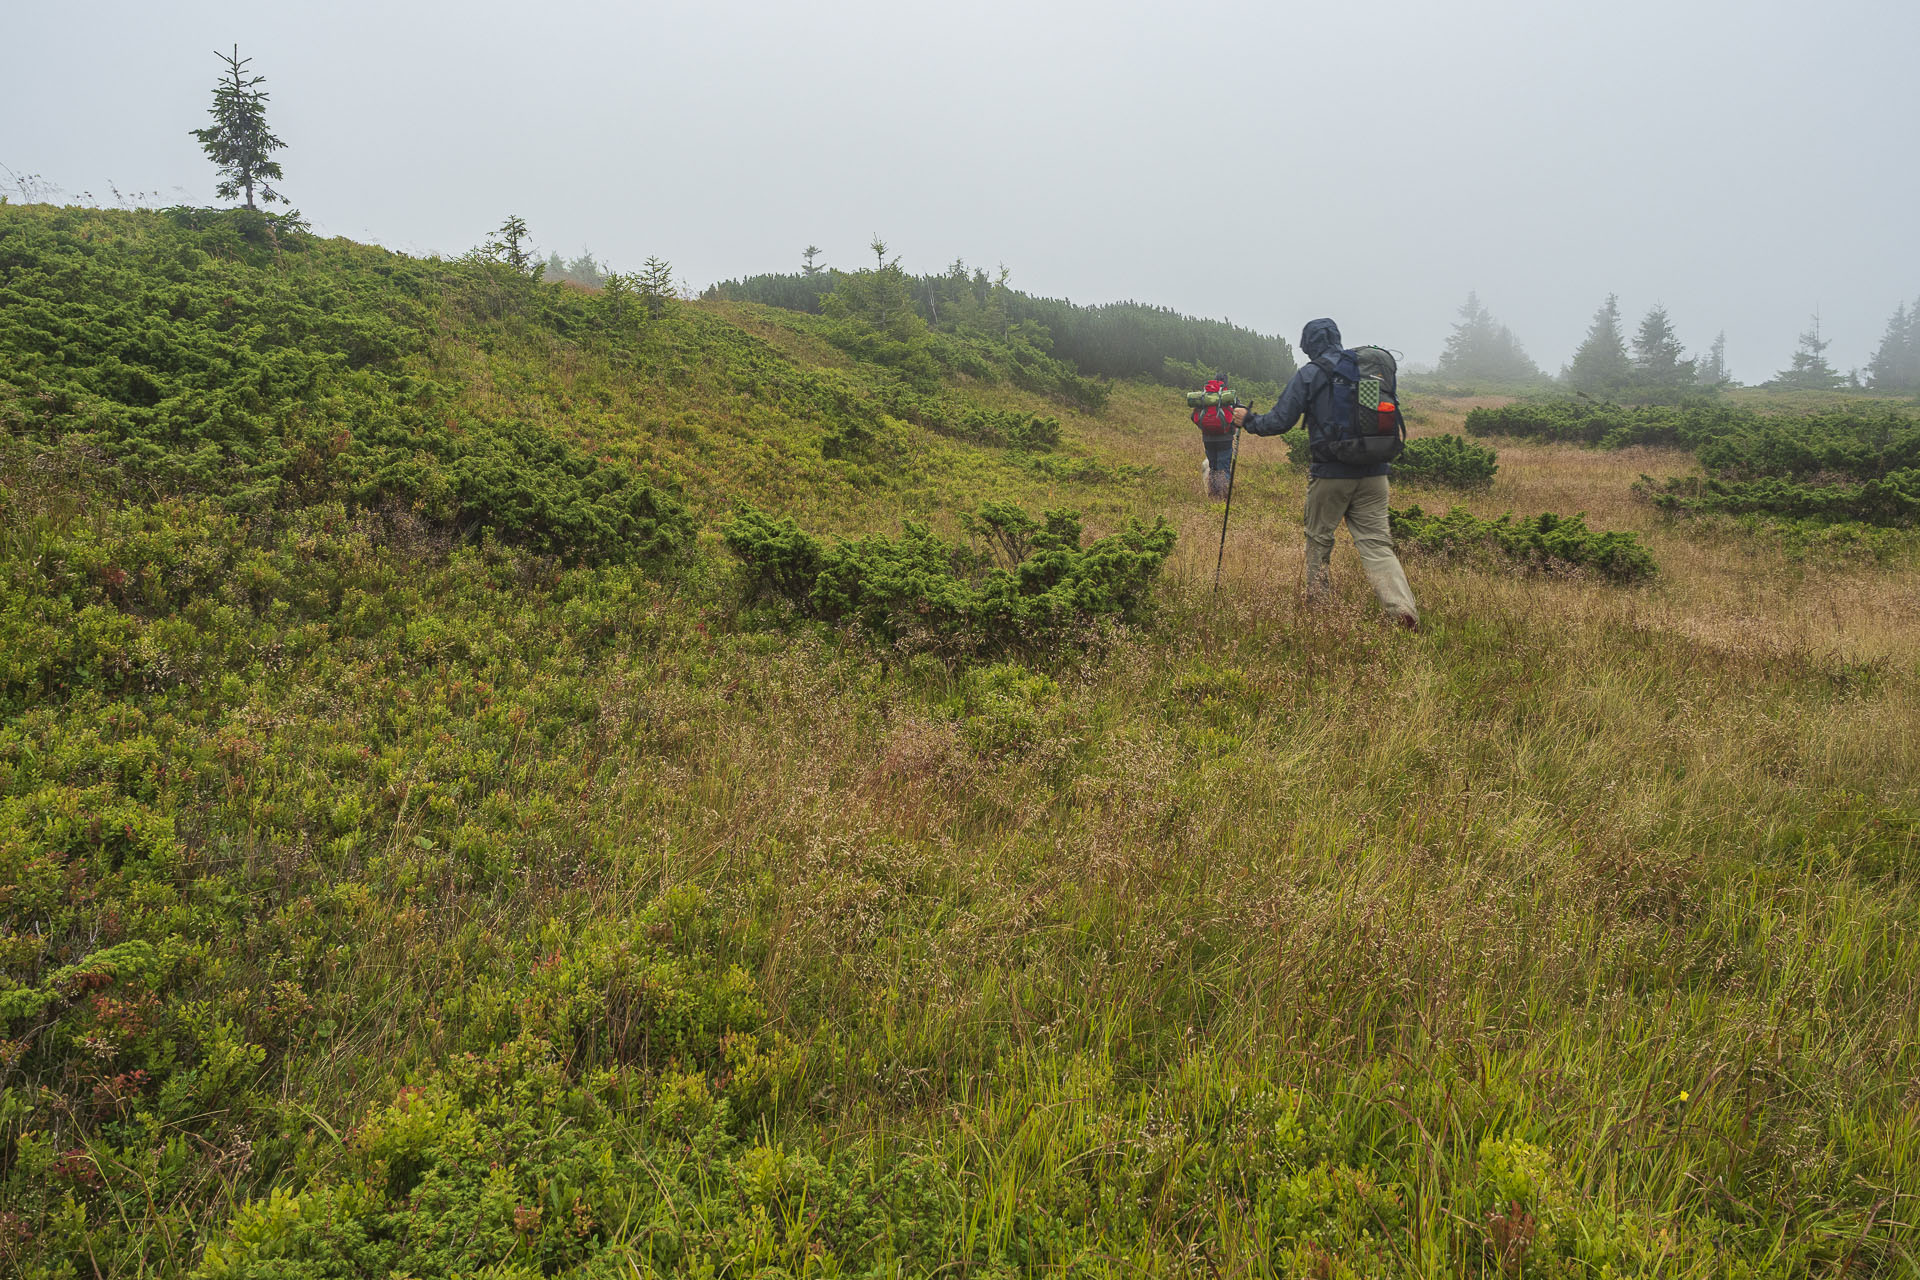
x=1215 y=416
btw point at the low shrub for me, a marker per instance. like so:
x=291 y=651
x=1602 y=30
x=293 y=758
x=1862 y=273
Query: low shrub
x=1857 y=444
x=1546 y=542
x=1890 y=501
x=1611 y=426
x=203 y=360
x=1031 y=585
x=956 y=418
x=1848 y=465
x=1446 y=462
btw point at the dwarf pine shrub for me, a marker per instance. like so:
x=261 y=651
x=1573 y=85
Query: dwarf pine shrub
x=1036 y=583
x=1847 y=465
x=1545 y=542
x=1889 y=501
x=203 y=361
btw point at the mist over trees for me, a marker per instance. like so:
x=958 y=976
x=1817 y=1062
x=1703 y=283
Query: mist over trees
x=1712 y=369
x=1809 y=370
x=1117 y=340
x=1600 y=366
x=1651 y=367
x=1659 y=362
x=582 y=270
x=1895 y=366
x=1481 y=349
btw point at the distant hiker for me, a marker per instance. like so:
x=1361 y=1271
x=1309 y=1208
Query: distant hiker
x=1354 y=430
x=1213 y=413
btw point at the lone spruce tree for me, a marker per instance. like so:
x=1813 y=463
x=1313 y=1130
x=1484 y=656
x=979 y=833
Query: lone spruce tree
x=1810 y=370
x=1896 y=363
x=1712 y=370
x=1659 y=362
x=510 y=244
x=1481 y=348
x=1600 y=366
x=238 y=141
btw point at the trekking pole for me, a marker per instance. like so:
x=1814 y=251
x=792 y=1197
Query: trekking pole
x=1233 y=468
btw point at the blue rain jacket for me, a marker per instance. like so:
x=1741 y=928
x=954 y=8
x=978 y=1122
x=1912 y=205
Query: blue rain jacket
x=1310 y=393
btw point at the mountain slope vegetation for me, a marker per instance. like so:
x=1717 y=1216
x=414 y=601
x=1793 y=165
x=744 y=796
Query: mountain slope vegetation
x=488 y=787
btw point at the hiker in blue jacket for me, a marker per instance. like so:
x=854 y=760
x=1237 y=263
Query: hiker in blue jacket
x=1337 y=491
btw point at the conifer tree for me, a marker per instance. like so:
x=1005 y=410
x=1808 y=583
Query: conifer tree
x=1810 y=370
x=510 y=245
x=656 y=285
x=808 y=255
x=1657 y=354
x=1600 y=365
x=1895 y=365
x=585 y=270
x=1712 y=370
x=881 y=295
x=1483 y=349
x=238 y=141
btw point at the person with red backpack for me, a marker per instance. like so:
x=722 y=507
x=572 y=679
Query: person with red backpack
x=1354 y=430
x=1214 y=414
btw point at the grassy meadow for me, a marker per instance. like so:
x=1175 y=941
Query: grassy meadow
x=381 y=896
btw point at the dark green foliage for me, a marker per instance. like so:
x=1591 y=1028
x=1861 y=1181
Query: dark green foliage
x=238 y=141
x=1854 y=464
x=951 y=417
x=795 y=291
x=1600 y=366
x=1546 y=542
x=1610 y=426
x=511 y=246
x=1440 y=462
x=1809 y=370
x=1446 y=462
x=559 y=500
x=1658 y=371
x=206 y=360
x=1891 y=500
x=1659 y=363
x=1114 y=340
x=1036 y=585
x=1860 y=443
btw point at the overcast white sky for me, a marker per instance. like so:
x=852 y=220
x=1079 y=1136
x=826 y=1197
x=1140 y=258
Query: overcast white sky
x=1743 y=162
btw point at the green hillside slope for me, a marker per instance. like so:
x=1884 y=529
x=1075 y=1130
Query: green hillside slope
x=503 y=780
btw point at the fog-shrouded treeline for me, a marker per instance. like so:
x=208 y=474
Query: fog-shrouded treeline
x=1116 y=339
x=1649 y=362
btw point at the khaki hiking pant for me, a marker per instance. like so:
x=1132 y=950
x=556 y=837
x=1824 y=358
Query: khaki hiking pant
x=1363 y=505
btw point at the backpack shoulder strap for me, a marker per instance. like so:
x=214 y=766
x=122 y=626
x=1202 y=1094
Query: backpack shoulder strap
x=1344 y=367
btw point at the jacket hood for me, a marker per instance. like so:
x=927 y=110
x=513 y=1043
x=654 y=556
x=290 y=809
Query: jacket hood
x=1319 y=337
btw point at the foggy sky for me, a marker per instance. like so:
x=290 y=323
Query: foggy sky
x=1745 y=163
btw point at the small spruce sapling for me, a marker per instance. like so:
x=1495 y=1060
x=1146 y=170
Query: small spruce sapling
x=239 y=141
x=510 y=244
